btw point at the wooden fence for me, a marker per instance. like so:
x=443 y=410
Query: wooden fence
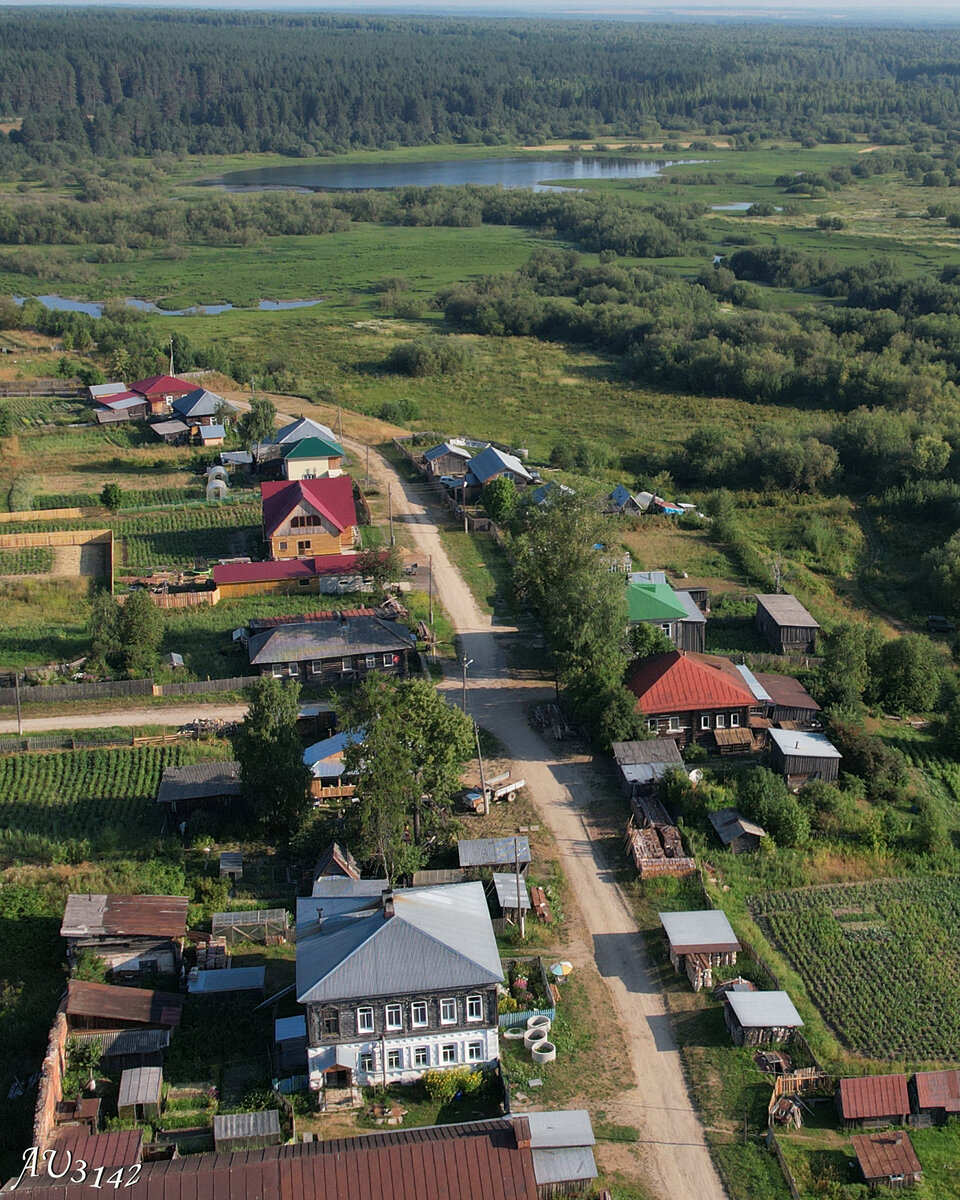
x=41 y=387
x=205 y=687
x=787 y=1173
x=43 y=514
x=122 y=688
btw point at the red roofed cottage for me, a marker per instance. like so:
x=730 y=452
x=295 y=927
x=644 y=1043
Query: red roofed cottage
x=689 y=696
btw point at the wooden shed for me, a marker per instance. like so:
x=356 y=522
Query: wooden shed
x=247 y=1131
x=133 y=935
x=788 y=700
x=936 y=1094
x=736 y=832
x=800 y=757
x=199 y=785
x=231 y=865
x=760 y=1018
x=700 y=941
x=641 y=765
x=786 y=625
x=887 y=1159
x=873 y=1100
x=141 y=1094
x=101 y=1006
x=120 y=1049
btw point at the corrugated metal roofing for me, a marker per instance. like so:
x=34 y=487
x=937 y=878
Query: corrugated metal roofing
x=149 y=916
x=677 y=682
x=331 y=498
x=493 y=852
x=121 y=1042
x=694 y=614
x=326 y=758
x=162 y=385
x=786 y=610
x=332 y=893
x=556 y=1130
x=653 y=602
x=506 y=889
x=313 y=447
x=288 y=1029
x=764 y=1010
x=787 y=692
x=140 y=1085
x=286 y=568
x=99 y=390
x=938 y=1089
x=235 y=979
x=656 y=750
x=102 y=1001
x=753 y=682
x=705 y=931
x=328 y=639
x=797 y=744
x=870 y=1096
x=296 y=431
x=882 y=1155
x=230 y=1126
x=566 y=1165
x=438 y=937
x=107 y=1150
x=199 y=781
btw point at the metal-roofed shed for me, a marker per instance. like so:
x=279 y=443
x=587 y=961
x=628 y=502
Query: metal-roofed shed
x=936 y=1093
x=800 y=756
x=259 y=927
x=247 y=1131
x=880 y=1099
x=641 y=764
x=507 y=891
x=134 y=935
x=700 y=941
x=494 y=852
x=887 y=1159
x=101 y=1006
x=760 y=1018
x=141 y=1091
x=123 y=1048
x=785 y=624
x=221 y=983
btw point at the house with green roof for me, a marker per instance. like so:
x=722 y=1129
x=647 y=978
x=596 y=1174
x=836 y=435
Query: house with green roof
x=651 y=600
x=312 y=458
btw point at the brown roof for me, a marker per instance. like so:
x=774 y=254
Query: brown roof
x=91 y=914
x=881 y=1155
x=938 y=1089
x=787 y=692
x=478 y=1161
x=107 y=1150
x=111 y=1004
x=874 y=1096
x=786 y=610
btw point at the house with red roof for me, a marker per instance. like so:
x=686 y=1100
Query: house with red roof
x=305 y=518
x=693 y=698
x=160 y=391
x=330 y=574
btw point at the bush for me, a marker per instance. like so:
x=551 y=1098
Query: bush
x=444 y=1085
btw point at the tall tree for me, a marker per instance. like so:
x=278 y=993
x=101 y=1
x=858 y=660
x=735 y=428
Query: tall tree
x=141 y=632
x=908 y=674
x=259 y=423
x=268 y=748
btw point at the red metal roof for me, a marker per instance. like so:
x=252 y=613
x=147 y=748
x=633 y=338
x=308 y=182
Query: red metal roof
x=938 y=1089
x=163 y=385
x=874 y=1096
x=288 y=568
x=679 y=682
x=108 y=1004
x=333 y=498
x=881 y=1155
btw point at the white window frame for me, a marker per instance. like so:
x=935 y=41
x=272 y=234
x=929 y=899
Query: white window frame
x=652 y=724
x=278 y=670
x=475 y=1002
x=673 y=726
x=444 y=1007
x=316 y=667
x=395 y=1060
x=370 y=661
x=474 y=1051
x=393 y=1016
x=721 y=720
x=387 y=660
x=734 y=720
x=365 y=1062
x=421 y=1056
x=704 y=720
x=415 y=1021
x=448 y=1054
x=365 y=1019
x=665 y=626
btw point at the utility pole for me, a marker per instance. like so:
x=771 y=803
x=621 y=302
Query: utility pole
x=483 y=782
x=366 y=482
x=171 y=355
x=340 y=425
x=464 y=663
x=463 y=504
x=393 y=540
x=516 y=868
x=430 y=592
x=16 y=684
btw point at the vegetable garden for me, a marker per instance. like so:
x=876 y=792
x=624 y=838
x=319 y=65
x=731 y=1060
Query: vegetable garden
x=59 y=807
x=880 y=960
x=32 y=560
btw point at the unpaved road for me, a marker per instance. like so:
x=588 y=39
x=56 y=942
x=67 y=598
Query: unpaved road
x=167 y=714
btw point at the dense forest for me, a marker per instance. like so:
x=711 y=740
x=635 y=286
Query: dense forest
x=120 y=83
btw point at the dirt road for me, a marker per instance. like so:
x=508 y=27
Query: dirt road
x=167 y=714
x=677 y=1158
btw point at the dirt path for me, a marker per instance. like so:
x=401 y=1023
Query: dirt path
x=177 y=715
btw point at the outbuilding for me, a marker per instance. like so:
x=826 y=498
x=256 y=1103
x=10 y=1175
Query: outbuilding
x=477 y=853
x=737 y=833
x=223 y=983
x=873 y=1100
x=133 y=935
x=887 y=1159
x=760 y=1018
x=247 y=1131
x=700 y=941
x=641 y=765
x=788 y=700
x=800 y=757
x=199 y=785
x=786 y=625
x=290 y=1039
x=936 y=1094
x=141 y=1093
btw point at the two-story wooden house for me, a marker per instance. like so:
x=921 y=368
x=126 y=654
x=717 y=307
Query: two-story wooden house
x=160 y=391
x=652 y=601
x=395 y=981
x=305 y=518
x=692 y=697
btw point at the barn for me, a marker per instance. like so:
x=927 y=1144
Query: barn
x=700 y=941
x=873 y=1100
x=800 y=757
x=786 y=625
x=760 y=1018
x=936 y=1094
x=887 y=1159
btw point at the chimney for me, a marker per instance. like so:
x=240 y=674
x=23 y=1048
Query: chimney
x=389 y=909
x=521 y=1128
x=898 y=1138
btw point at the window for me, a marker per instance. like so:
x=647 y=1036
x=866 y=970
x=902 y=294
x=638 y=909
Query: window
x=674 y=724
x=387 y=660
x=665 y=626
x=394 y=1015
x=282 y=545
x=734 y=720
x=474 y=1051
x=293 y=668
x=303 y=583
x=302 y=547
x=277 y=670
x=394 y=1060
x=474 y=1008
x=365 y=1020
x=721 y=721
x=370 y=661
x=705 y=721
x=316 y=667
x=331 y=1022
x=365 y=1062
x=418 y=1014
x=448 y=1054
x=652 y=724
x=448 y=1012
x=421 y=1056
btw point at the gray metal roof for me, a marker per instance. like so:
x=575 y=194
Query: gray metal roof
x=229 y=1126
x=331 y=888
x=309 y=640
x=753 y=683
x=163 y=428
x=656 y=750
x=297 y=431
x=764 y=1010
x=565 y=1165
x=730 y=825
x=694 y=615
x=100 y=390
x=796 y=744
x=231 y=860
x=446 y=448
x=786 y=610
x=438 y=937
x=199 y=781
x=233 y=979
x=288 y=1029
x=646 y=576
x=698 y=932
x=493 y=852
x=492 y=462
x=201 y=403
x=506 y=888
x=118 y=1042
x=140 y=1085
x=558 y=1130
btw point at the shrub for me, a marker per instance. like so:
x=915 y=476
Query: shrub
x=444 y=1085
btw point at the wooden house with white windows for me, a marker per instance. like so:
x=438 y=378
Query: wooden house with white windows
x=395 y=982
x=306 y=518
x=694 y=698
x=342 y=649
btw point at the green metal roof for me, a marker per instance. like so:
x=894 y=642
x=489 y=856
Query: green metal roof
x=314 y=447
x=654 y=602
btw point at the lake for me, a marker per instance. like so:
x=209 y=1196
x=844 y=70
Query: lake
x=94 y=308
x=503 y=172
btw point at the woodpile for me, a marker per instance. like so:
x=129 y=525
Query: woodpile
x=657 y=850
x=212 y=955
x=550 y=718
x=541 y=906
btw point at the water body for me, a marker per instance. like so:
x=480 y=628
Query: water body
x=95 y=309
x=505 y=172
x=740 y=206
